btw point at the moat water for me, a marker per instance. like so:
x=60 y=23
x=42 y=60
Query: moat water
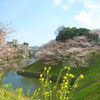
x=19 y=81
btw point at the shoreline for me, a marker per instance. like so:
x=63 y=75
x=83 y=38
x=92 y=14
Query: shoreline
x=36 y=75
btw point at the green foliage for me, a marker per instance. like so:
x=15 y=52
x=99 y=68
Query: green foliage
x=85 y=89
x=7 y=86
x=49 y=91
x=38 y=67
x=69 y=33
x=1 y=79
x=88 y=88
x=28 y=93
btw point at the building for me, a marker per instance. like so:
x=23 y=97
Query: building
x=15 y=43
x=19 y=46
x=25 y=49
x=2 y=38
x=22 y=48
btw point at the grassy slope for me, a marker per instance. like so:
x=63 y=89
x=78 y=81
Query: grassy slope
x=11 y=95
x=89 y=87
x=38 y=67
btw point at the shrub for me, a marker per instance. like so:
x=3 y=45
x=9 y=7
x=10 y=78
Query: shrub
x=69 y=33
x=51 y=91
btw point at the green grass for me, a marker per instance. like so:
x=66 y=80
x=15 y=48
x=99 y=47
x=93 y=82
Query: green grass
x=89 y=87
x=91 y=92
x=38 y=67
x=11 y=95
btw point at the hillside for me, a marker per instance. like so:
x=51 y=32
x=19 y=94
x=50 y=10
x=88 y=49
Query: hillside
x=73 y=47
x=75 y=52
x=72 y=52
x=82 y=54
x=89 y=87
x=11 y=95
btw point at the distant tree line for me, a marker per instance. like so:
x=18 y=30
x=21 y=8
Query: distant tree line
x=69 y=33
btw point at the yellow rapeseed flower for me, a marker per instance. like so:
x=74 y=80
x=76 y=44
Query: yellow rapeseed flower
x=65 y=67
x=65 y=77
x=41 y=75
x=66 y=74
x=46 y=93
x=66 y=83
x=50 y=92
x=39 y=89
x=7 y=85
x=42 y=79
x=68 y=68
x=59 y=92
x=63 y=81
x=2 y=93
x=66 y=86
x=54 y=87
x=81 y=76
x=62 y=87
x=45 y=68
x=71 y=75
x=49 y=68
x=75 y=85
x=50 y=81
x=47 y=71
x=68 y=92
x=37 y=93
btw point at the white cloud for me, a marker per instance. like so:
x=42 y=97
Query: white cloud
x=91 y=5
x=84 y=18
x=90 y=16
x=57 y=2
x=65 y=7
x=71 y=1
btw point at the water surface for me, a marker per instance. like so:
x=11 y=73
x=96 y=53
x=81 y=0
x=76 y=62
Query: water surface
x=19 y=81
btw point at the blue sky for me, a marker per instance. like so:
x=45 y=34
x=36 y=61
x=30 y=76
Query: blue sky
x=36 y=20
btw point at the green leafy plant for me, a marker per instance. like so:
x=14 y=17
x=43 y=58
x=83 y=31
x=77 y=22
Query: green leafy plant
x=69 y=33
x=51 y=91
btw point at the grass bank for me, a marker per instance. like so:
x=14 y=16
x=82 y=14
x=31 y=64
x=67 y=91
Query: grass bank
x=11 y=95
x=38 y=67
x=89 y=87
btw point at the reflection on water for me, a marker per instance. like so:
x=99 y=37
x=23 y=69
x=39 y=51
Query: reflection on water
x=19 y=81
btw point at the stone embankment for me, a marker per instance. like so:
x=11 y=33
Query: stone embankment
x=36 y=75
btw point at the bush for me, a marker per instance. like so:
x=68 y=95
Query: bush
x=69 y=33
x=51 y=91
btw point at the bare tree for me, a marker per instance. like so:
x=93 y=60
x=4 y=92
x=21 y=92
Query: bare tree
x=6 y=27
x=59 y=29
x=5 y=50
